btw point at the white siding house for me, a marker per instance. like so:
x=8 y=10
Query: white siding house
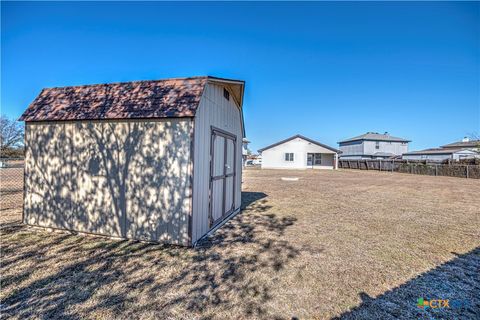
x=465 y=149
x=153 y=160
x=440 y=154
x=299 y=152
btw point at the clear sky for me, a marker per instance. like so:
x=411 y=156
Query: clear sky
x=325 y=70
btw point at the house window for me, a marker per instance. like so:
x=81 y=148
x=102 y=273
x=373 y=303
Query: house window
x=226 y=94
x=288 y=156
x=317 y=159
x=377 y=144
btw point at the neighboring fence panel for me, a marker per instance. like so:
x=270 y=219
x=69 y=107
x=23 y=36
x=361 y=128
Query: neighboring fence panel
x=11 y=188
x=452 y=169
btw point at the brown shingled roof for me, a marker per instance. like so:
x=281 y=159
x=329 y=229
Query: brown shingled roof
x=140 y=99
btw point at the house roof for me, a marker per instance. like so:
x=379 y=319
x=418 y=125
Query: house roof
x=383 y=154
x=463 y=144
x=433 y=151
x=168 y=98
x=375 y=137
x=301 y=137
x=376 y=154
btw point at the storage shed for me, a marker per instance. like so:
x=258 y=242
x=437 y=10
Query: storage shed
x=151 y=160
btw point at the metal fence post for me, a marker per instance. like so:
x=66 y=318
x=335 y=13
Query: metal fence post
x=466 y=169
x=436 y=170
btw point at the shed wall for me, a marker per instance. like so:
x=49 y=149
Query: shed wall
x=117 y=178
x=214 y=110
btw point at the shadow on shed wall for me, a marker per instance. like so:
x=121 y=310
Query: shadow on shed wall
x=126 y=179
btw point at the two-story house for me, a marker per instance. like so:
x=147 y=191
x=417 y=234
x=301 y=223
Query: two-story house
x=373 y=145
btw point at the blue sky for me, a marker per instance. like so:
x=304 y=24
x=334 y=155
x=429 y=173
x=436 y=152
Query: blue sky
x=325 y=70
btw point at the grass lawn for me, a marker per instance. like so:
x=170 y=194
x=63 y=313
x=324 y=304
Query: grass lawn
x=346 y=243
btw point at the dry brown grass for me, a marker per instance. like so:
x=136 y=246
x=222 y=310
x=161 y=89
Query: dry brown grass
x=335 y=243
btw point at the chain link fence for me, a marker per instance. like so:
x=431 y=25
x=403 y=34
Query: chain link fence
x=11 y=189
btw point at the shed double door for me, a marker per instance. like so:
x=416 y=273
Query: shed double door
x=222 y=175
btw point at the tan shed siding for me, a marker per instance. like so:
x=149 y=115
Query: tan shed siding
x=214 y=110
x=48 y=193
x=119 y=178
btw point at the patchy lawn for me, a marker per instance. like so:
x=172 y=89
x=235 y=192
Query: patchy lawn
x=334 y=243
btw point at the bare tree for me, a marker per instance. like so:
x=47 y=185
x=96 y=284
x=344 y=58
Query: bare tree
x=475 y=137
x=11 y=134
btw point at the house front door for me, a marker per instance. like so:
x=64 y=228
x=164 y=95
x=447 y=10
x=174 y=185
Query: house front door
x=310 y=159
x=314 y=159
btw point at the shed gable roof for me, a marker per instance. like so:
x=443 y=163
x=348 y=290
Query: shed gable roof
x=169 y=98
x=301 y=137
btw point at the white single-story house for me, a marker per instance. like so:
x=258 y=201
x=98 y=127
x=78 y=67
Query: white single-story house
x=440 y=154
x=156 y=160
x=299 y=152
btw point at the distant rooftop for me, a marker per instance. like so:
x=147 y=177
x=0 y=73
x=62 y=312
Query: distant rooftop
x=375 y=136
x=435 y=151
x=465 y=143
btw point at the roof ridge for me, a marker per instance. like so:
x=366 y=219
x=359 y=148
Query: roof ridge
x=301 y=137
x=125 y=82
x=371 y=136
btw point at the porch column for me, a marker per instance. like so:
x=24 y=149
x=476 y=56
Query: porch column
x=335 y=161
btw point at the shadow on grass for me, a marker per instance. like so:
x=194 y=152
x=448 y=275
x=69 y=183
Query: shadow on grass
x=51 y=275
x=457 y=280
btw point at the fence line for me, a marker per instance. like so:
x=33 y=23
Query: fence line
x=11 y=186
x=416 y=167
